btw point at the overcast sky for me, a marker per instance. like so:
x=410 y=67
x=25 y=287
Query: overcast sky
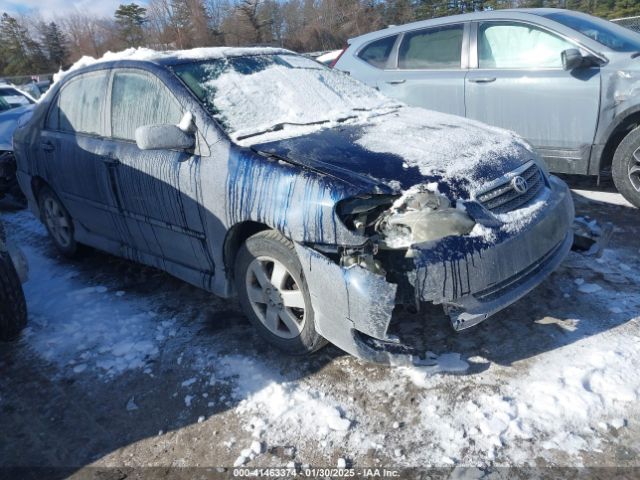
x=54 y=8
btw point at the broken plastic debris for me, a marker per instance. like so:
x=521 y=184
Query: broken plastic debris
x=589 y=237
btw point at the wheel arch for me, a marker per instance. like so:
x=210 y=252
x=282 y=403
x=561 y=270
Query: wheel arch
x=625 y=124
x=234 y=239
x=37 y=184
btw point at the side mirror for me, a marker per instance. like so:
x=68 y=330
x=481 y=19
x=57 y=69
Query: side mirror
x=164 y=137
x=572 y=59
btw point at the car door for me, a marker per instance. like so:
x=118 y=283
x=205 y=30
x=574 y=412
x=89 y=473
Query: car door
x=159 y=190
x=519 y=84
x=430 y=68
x=72 y=145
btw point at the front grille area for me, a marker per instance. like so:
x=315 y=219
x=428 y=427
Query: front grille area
x=503 y=197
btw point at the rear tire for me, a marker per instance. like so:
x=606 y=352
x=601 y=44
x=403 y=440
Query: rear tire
x=274 y=294
x=57 y=221
x=13 y=308
x=626 y=167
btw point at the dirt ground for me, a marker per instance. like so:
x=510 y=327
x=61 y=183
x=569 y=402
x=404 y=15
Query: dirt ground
x=550 y=381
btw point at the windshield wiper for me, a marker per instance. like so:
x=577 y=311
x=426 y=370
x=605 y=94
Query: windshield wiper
x=281 y=125
x=635 y=55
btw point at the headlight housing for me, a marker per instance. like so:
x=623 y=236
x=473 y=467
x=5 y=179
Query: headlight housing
x=421 y=216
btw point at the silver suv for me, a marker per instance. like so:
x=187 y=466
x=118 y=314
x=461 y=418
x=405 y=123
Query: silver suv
x=566 y=81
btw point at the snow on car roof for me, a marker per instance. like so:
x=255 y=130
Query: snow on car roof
x=167 y=57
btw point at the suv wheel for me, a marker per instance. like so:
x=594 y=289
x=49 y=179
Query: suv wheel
x=626 y=167
x=274 y=294
x=58 y=222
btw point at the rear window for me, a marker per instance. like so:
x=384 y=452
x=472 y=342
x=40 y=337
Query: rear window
x=435 y=48
x=79 y=106
x=377 y=53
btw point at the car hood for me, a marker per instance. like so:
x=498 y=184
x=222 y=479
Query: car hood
x=409 y=146
x=9 y=122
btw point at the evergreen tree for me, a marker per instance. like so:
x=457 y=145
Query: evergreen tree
x=16 y=46
x=55 y=44
x=130 y=20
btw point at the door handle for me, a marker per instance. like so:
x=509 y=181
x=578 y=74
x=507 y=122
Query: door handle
x=395 y=82
x=48 y=146
x=111 y=159
x=482 y=79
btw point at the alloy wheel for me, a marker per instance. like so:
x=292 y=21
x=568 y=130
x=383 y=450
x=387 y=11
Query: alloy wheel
x=57 y=222
x=275 y=297
x=634 y=170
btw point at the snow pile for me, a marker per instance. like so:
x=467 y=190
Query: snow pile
x=445 y=363
x=437 y=143
x=329 y=56
x=82 y=328
x=279 y=406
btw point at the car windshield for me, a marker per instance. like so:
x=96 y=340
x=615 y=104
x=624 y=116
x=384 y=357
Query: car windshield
x=14 y=97
x=249 y=95
x=4 y=105
x=608 y=34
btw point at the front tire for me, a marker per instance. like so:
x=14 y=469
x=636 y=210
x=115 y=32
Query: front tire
x=274 y=294
x=626 y=167
x=58 y=222
x=13 y=308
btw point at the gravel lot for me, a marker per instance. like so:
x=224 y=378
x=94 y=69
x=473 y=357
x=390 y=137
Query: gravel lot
x=123 y=365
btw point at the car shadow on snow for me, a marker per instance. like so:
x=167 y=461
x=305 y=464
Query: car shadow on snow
x=72 y=393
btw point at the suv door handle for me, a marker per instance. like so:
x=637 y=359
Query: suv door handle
x=110 y=159
x=482 y=79
x=395 y=82
x=48 y=146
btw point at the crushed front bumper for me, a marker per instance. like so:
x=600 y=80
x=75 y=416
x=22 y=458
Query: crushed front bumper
x=470 y=278
x=474 y=280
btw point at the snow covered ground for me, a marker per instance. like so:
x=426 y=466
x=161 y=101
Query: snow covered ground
x=124 y=365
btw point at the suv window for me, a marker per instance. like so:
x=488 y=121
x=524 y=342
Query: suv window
x=602 y=31
x=78 y=108
x=377 y=53
x=435 y=48
x=140 y=99
x=516 y=45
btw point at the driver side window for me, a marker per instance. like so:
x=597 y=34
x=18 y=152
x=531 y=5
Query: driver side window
x=139 y=99
x=516 y=45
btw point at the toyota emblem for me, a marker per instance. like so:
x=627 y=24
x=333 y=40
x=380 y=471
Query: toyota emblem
x=519 y=184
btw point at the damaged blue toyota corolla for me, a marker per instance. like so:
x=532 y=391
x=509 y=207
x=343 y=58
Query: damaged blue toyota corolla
x=318 y=201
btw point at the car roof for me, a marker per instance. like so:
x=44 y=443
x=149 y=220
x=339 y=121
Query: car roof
x=172 y=57
x=154 y=58
x=514 y=13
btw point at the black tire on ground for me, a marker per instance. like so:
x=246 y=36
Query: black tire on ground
x=624 y=162
x=272 y=244
x=13 y=308
x=46 y=195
